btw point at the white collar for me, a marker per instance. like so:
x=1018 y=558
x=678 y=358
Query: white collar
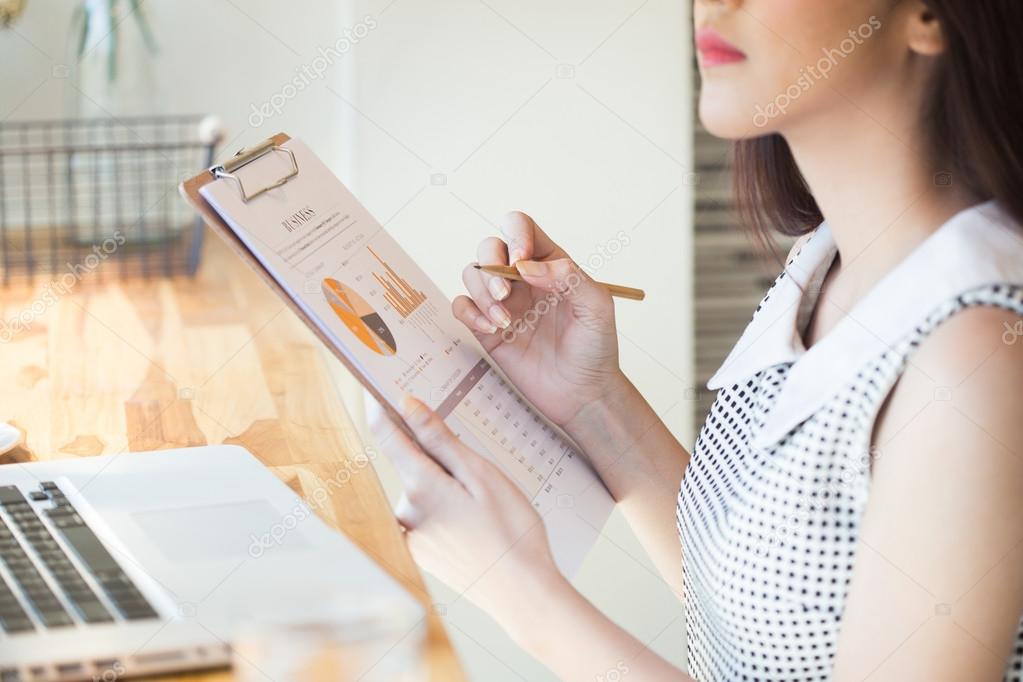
x=979 y=246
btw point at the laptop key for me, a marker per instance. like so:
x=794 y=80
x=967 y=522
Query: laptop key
x=38 y=593
x=13 y=618
x=87 y=606
x=56 y=618
x=50 y=610
x=114 y=581
x=9 y=494
x=92 y=611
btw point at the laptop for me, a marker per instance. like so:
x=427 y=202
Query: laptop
x=144 y=563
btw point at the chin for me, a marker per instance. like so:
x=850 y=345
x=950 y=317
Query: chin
x=727 y=119
x=728 y=108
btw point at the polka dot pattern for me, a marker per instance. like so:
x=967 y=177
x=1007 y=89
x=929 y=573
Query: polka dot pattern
x=769 y=534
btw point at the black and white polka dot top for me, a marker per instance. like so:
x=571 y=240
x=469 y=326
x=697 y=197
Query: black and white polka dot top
x=771 y=502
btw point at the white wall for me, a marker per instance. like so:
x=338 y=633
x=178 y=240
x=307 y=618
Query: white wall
x=443 y=117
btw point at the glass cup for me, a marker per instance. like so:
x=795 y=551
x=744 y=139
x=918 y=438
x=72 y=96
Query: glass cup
x=334 y=640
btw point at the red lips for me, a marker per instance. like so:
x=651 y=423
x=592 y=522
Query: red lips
x=715 y=50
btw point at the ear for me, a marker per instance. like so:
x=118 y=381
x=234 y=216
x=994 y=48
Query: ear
x=924 y=32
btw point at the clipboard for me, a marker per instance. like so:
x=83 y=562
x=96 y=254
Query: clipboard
x=189 y=190
x=492 y=416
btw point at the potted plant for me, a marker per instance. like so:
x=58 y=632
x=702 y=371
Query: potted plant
x=111 y=59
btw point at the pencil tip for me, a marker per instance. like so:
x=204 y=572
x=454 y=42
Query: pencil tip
x=477 y=266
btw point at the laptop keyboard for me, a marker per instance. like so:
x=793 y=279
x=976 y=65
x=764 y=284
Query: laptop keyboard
x=122 y=598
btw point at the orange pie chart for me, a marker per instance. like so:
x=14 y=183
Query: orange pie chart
x=364 y=322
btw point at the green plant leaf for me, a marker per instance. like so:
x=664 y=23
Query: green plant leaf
x=144 y=29
x=112 y=45
x=82 y=13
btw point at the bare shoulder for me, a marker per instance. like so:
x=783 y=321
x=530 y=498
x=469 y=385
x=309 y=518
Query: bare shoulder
x=982 y=328
x=940 y=538
x=965 y=381
x=971 y=364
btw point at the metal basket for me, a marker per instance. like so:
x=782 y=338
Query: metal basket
x=100 y=195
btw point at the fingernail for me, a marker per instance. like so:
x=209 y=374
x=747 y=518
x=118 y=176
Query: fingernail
x=499 y=288
x=500 y=315
x=532 y=268
x=516 y=254
x=413 y=409
x=485 y=325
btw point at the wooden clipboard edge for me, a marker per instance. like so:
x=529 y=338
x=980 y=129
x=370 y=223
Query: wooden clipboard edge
x=189 y=190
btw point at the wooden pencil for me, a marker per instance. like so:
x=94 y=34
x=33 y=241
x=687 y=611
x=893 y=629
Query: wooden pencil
x=509 y=272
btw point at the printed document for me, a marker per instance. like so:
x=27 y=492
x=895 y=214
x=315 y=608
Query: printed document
x=374 y=302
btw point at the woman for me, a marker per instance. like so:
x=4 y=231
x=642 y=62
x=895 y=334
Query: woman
x=852 y=506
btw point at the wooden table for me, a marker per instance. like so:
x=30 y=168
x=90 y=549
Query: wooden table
x=118 y=366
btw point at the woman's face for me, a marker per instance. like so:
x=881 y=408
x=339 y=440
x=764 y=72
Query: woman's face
x=771 y=65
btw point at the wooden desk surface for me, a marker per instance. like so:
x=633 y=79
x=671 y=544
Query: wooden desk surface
x=119 y=366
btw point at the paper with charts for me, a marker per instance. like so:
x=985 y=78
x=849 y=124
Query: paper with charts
x=372 y=300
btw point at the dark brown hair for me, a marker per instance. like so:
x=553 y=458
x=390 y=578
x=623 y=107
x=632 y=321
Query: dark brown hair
x=973 y=119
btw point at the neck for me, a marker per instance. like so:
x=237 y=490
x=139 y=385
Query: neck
x=877 y=188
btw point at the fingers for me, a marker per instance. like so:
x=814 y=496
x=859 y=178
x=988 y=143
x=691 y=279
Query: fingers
x=469 y=314
x=408 y=514
x=380 y=424
x=441 y=444
x=563 y=276
x=481 y=295
x=424 y=482
x=465 y=310
x=489 y=293
x=554 y=275
x=415 y=468
x=420 y=475
x=493 y=251
x=525 y=238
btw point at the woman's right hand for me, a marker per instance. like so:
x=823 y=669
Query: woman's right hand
x=553 y=334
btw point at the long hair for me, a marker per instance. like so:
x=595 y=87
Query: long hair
x=972 y=118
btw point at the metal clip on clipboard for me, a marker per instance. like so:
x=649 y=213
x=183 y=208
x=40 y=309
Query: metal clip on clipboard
x=247 y=156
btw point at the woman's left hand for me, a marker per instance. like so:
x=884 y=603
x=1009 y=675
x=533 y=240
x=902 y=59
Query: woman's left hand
x=470 y=526
x=465 y=521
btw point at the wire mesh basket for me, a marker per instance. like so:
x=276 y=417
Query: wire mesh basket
x=100 y=195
